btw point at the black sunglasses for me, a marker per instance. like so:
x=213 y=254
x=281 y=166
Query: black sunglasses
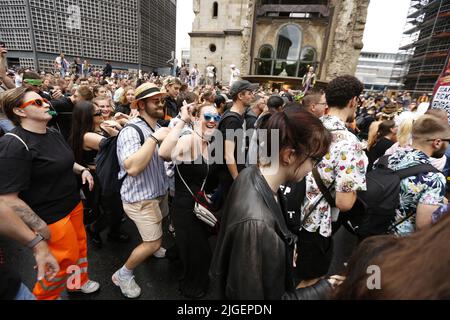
x=447 y=140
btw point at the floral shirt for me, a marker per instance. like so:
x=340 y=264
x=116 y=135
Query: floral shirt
x=344 y=167
x=425 y=188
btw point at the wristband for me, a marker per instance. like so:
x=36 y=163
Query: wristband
x=35 y=241
x=156 y=140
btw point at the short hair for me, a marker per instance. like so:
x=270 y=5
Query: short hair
x=311 y=97
x=427 y=127
x=12 y=99
x=85 y=93
x=341 y=90
x=31 y=75
x=438 y=113
x=275 y=102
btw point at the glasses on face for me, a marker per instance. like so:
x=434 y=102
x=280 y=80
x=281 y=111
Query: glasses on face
x=208 y=117
x=37 y=102
x=447 y=140
x=315 y=161
x=157 y=101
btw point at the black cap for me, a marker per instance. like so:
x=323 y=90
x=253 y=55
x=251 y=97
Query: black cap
x=242 y=85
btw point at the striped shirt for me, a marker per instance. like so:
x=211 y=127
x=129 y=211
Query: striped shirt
x=153 y=181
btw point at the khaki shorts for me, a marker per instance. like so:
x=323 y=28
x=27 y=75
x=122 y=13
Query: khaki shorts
x=147 y=215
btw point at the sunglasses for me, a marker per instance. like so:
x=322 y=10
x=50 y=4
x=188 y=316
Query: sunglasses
x=208 y=117
x=37 y=102
x=447 y=140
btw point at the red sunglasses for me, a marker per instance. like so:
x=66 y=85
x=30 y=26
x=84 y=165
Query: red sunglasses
x=36 y=102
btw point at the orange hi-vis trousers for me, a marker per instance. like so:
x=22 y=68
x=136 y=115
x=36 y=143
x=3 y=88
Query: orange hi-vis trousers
x=68 y=246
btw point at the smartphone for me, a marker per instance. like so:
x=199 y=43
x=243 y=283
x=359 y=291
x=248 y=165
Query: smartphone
x=2 y=44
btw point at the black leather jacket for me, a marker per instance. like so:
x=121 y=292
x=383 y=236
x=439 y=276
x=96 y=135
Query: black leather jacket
x=253 y=256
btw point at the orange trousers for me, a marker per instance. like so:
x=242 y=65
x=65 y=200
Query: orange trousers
x=68 y=245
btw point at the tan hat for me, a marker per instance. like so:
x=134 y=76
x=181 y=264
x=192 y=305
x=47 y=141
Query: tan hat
x=148 y=90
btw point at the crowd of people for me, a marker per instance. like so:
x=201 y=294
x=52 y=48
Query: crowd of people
x=196 y=155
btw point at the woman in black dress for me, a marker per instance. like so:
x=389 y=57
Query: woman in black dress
x=191 y=152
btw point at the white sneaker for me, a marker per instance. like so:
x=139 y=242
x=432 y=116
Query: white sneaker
x=89 y=287
x=161 y=253
x=129 y=287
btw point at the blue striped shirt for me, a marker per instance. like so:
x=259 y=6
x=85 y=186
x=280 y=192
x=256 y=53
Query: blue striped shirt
x=153 y=181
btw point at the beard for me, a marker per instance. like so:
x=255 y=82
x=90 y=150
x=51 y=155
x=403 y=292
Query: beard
x=439 y=153
x=155 y=112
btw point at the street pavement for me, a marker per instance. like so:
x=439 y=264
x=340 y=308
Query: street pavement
x=158 y=278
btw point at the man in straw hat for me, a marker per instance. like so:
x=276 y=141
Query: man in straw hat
x=144 y=189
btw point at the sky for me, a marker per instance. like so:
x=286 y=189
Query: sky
x=384 y=28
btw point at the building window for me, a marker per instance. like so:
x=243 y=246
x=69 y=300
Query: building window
x=265 y=60
x=215 y=9
x=288 y=59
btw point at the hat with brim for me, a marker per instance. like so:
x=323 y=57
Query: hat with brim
x=148 y=90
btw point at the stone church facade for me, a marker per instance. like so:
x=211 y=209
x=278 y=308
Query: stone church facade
x=276 y=39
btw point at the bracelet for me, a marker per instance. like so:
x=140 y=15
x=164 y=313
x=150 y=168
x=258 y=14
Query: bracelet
x=35 y=241
x=156 y=140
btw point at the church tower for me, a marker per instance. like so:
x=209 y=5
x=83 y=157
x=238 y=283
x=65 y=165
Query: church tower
x=217 y=35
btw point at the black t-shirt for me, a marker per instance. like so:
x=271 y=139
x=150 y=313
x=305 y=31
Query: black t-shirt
x=43 y=176
x=233 y=121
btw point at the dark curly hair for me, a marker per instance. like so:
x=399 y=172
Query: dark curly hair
x=341 y=90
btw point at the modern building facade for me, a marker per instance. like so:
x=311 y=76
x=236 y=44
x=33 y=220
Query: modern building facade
x=375 y=70
x=427 y=41
x=276 y=40
x=131 y=34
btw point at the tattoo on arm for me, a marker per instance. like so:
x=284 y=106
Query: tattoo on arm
x=28 y=216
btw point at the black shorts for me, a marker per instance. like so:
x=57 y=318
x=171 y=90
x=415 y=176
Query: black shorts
x=315 y=253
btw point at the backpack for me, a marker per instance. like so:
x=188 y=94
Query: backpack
x=375 y=209
x=107 y=164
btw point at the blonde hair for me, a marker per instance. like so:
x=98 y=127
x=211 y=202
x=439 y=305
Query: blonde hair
x=404 y=132
x=123 y=98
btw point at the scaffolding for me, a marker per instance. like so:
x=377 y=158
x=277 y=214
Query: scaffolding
x=425 y=42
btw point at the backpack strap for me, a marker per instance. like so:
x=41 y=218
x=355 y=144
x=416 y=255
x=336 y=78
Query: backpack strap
x=323 y=189
x=415 y=170
x=141 y=134
x=18 y=138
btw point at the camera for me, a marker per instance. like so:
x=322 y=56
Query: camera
x=2 y=44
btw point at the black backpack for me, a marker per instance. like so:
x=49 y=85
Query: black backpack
x=374 y=209
x=107 y=164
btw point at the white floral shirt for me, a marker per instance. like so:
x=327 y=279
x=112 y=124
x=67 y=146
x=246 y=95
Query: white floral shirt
x=345 y=165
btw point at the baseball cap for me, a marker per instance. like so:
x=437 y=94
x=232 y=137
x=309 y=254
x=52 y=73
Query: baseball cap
x=242 y=85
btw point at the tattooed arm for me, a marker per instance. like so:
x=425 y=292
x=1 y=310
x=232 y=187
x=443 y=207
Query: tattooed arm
x=27 y=215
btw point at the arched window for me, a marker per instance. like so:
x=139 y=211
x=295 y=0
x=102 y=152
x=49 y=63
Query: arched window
x=265 y=59
x=289 y=42
x=288 y=51
x=215 y=9
x=307 y=59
